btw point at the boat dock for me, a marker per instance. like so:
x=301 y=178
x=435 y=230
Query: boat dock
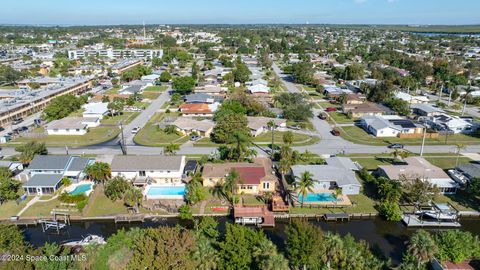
x=338 y=217
x=129 y=218
x=259 y=216
x=412 y=220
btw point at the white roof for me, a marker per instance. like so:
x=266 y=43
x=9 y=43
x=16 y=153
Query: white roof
x=259 y=88
x=95 y=108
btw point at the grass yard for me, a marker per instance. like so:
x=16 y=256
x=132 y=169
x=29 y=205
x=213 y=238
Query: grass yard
x=103 y=206
x=361 y=204
x=152 y=135
x=126 y=118
x=372 y=163
x=44 y=209
x=94 y=135
x=462 y=201
x=266 y=137
x=341 y=118
x=11 y=208
x=358 y=135
x=151 y=95
x=447 y=162
x=113 y=90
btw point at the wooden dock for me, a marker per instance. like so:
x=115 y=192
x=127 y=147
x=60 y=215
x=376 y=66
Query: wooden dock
x=412 y=220
x=129 y=218
x=340 y=217
x=259 y=216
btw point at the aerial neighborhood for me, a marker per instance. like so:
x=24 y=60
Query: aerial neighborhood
x=257 y=125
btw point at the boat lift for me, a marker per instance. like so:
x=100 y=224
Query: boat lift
x=55 y=224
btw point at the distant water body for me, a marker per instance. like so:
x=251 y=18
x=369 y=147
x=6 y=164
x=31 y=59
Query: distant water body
x=427 y=34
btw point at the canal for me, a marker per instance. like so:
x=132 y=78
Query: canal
x=388 y=237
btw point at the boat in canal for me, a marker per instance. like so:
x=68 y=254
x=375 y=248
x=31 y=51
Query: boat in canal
x=88 y=240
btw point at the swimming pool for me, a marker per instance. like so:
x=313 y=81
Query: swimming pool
x=318 y=197
x=165 y=192
x=82 y=189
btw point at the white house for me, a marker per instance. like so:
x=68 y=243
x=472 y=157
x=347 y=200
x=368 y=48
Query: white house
x=96 y=110
x=418 y=167
x=72 y=126
x=259 y=125
x=259 y=88
x=390 y=125
x=411 y=99
x=144 y=169
x=454 y=124
x=338 y=173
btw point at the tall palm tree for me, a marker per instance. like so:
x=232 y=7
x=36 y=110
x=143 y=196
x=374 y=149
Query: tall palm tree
x=271 y=125
x=205 y=255
x=422 y=247
x=241 y=142
x=267 y=257
x=133 y=197
x=459 y=147
x=288 y=138
x=399 y=154
x=231 y=182
x=304 y=184
x=465 y=98
x=99 y=171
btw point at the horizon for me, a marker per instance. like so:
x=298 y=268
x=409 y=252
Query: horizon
x=247 y=12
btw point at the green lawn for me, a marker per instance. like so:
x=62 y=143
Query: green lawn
x=44 y=209
x=11 y=208
x=113 y=90
x=341 y=118
x=462 y=201
x=362 y=204
x=125 y=117
x=447 y=162
x=358 y=135
x=278 y=137
x=152 y=135
x=372 y=163
x=150 y=95
x=103 y=206
x=94 y=135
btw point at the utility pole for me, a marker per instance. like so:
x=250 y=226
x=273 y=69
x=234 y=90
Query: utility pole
x=423 y=140
x=122 y=141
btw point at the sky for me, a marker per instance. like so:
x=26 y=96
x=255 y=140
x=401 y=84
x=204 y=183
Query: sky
x=96 y=12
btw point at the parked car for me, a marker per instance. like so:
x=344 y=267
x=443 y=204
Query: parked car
x=17 y=121
x=296 y=127
x=331 y=109
x=194 y=138
x=135 y=130
x=322 y=116
x=24 y=128
x=396 y=146
x=335 y=132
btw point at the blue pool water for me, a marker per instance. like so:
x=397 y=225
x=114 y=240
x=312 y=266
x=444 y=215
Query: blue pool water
x=81 y=189
x=318 y=197
x=166 y=191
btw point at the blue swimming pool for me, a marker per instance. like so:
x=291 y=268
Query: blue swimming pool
x=318 y=197
x=81 y=189
x=165 y=192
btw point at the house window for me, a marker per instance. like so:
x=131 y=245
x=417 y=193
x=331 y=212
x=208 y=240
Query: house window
x=77 y=129
x=266 y=185
x=142 y=173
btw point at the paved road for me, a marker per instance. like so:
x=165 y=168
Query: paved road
x=143 y=117
x=470 y=110
x=285 y=78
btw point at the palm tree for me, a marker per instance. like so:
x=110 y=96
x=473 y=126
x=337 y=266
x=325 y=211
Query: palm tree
x=99 y=171
x=288 y=138
x=304 y=184
x=205 y=255
x=231 y=182
x=334 y=249
x=241 y=143
x=399 y=154
x=465 y=99
x=422 y=247
x=267 y=257
x=459 y=147
x=271 y=125
x=133 y=197
x=171 y=149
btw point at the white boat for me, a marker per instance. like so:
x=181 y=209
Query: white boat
x=88 y=240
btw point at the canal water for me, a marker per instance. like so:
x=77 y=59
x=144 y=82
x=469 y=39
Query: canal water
x=389 y=238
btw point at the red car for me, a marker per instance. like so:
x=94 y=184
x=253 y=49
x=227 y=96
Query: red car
x=331 y=109
x=335 y=132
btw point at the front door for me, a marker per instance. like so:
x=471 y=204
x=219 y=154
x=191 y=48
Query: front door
x=39 y=191
x=142 y=173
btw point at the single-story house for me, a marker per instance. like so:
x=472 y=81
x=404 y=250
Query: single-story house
x=201 y=98
x=14 y=167
x=205 y=110
x=411 y=99
x=211 y=90
x=45 y=172
x=259 y=88
x=130 y=90
x=71 y=125
x=259 y=125
x=339 y=172
x=366 y=108
x=418 y=167
x=138 y=169
x=390 y=126
x=425 y=110
x=255 y=178
x=187 y=125
x=95 y=110
x=445 y=122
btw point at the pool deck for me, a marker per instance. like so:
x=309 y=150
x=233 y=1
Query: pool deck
x=342 y=200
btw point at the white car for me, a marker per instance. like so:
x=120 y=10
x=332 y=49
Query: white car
x=135 y=130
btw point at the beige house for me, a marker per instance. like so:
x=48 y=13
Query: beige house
x=362 y=109
x=255 y=178
x=259 y=125
x=186 y=126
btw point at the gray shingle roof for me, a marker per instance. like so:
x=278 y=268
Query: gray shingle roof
x=44 y=180
x=471 y=169
x=146 y=163
x=78 y=163
x=49 y=162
